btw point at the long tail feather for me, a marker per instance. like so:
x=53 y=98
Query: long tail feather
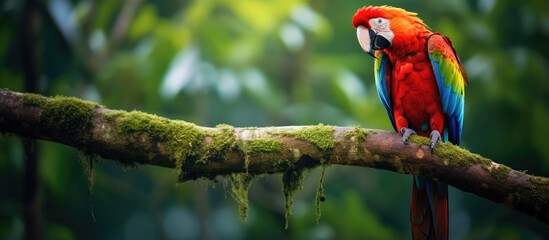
x=429 y=209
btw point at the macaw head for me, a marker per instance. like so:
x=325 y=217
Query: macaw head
x=379 y=28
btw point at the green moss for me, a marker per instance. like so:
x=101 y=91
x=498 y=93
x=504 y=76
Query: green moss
x=358 y=133
x=292 y=181
x=453 y=155
x=296 y=153
x=225 y=127
x=69 y=115
x=320 y=135
x=263 y=145
x=457 y=156
x=419 y=140
x=539 y=191
x=259 y=145
x=240 y=185
x=539 y=180
x=223 y=141
x=500 y=173
x=282 y=165
x=179 y=139
x=32 y=99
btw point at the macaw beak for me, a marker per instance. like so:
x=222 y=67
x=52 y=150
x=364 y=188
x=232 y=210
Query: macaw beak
x=370 y=40
x=366 y=39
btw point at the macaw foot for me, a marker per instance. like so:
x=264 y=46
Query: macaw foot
x=435 y=137
x=406 y=133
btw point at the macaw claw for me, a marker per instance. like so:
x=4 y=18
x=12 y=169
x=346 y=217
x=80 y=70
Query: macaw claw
x=435 y=137
x=406 y=133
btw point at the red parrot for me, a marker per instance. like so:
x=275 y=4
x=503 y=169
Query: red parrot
x=420 y=82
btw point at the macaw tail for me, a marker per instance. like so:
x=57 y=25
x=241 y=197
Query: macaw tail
x=429 y=210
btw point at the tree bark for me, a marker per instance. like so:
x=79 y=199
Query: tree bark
x=202 y=152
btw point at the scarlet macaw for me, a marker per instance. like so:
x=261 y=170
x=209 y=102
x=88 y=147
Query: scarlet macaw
x=420 y=82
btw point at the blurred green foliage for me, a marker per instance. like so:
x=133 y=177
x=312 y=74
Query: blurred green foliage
x=267 y=63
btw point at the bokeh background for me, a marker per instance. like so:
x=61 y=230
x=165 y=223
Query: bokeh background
x=261 y=63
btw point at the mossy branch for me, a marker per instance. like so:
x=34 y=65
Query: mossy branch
x=196 y=152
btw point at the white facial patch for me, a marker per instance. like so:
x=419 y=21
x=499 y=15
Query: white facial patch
x=382 y=27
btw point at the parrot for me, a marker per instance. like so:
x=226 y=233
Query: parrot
x=421 y=84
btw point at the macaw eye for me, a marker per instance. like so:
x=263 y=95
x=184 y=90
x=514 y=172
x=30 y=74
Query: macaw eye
x=379 y=24
x=377 y=21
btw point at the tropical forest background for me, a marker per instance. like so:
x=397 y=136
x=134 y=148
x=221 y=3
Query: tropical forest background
x=261 y=63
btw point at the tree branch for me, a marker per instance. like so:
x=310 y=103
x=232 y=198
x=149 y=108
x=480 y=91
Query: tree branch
x=140 y=138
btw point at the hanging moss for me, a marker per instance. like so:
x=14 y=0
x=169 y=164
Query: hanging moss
x=282 y=165
x=292 y=181
x=88 y=162
x=320 y=135
x=320 y=197
x=180 y=140
x=240 y=185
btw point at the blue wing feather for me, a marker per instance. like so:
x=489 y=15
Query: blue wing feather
x=451 y=80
